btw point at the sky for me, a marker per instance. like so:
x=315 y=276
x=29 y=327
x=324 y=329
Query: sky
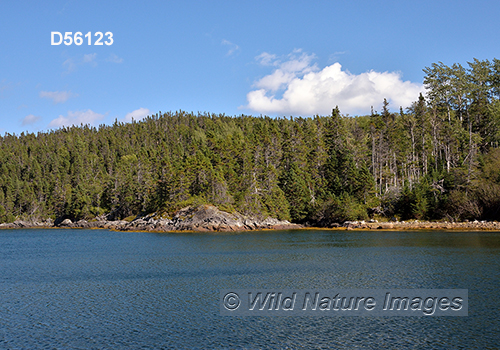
x=275 y=58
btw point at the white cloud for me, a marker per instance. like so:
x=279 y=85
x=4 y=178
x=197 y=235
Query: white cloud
x=71 y=63
x=138 y=114
x=89 y=58
x=232 y=47
x=114 y=59
x=57 y=96
x=30 y=119
x=76 y=118
x=334 y=57
x=267 y=59
x=308 y=90
x=286 y=71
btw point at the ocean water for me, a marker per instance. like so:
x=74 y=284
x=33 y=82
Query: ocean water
x=99 y=289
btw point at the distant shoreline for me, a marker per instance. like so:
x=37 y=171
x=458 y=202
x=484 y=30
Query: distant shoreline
x=423 y=225
x=491 y=226
x=208 y=218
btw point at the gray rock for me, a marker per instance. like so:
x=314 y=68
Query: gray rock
x=66 y=222
x=21 y=223
x=82 y=224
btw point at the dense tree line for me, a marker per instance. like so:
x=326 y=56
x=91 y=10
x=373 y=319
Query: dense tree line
x=438 y=159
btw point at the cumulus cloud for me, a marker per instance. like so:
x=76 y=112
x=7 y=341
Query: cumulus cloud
x=76 y=118
x=57 y=96
x=30 y=119
x=232 y=47
x=136 y=115
x=299 y=87
x=296 y=65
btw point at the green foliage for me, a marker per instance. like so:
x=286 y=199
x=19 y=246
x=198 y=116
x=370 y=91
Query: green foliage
x=294 y=188
x=414 y=203
x=342 y=208
x=487 y=186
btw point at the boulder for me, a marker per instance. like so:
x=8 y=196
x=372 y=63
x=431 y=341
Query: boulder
x=66 y=222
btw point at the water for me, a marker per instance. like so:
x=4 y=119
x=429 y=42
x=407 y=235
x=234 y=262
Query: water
x=97 y=289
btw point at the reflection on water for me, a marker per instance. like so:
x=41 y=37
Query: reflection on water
x=102 y=289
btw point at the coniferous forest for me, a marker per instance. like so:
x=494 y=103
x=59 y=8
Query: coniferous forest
x=438 y=159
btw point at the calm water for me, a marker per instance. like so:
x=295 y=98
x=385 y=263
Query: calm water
x=101 y=289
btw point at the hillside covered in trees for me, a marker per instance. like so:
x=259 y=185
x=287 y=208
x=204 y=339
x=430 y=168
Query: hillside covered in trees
x=437 y=159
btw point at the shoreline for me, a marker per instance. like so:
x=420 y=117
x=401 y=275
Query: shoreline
x=208 y=218
x=424 y=225
x=133 y=226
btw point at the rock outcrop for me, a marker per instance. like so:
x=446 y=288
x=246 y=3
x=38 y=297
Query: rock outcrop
x=205 y=218
x=29 y=224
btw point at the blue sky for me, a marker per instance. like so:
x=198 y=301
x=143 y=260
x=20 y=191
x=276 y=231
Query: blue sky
x=235 y=57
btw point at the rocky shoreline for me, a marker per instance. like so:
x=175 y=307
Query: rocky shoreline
x=204 y=218
x=420 y=225
x=207 y=218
